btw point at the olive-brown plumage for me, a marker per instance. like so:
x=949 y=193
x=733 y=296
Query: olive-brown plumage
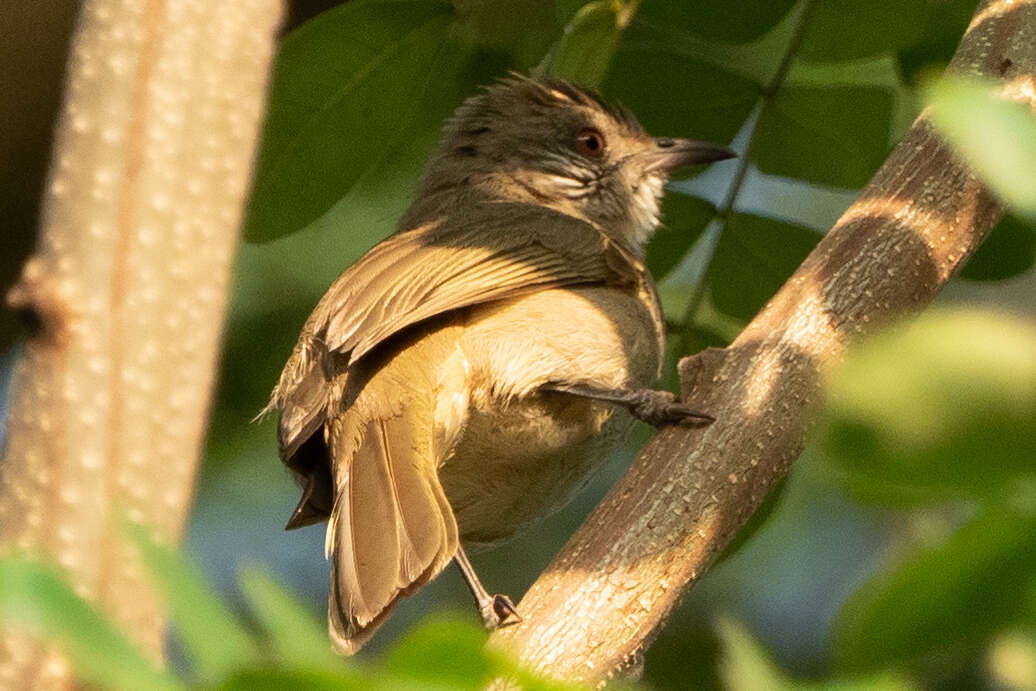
x=461 y=378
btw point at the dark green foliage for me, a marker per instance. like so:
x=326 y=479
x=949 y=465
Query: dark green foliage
x=683 y=220
x=836 y=135
x=1009 y=250
x=728 y=21
x=702 y=100
x=754 y=257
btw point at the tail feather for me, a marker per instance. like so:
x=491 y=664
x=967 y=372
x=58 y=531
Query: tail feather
x=391 y=528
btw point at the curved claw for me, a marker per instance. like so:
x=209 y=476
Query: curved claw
x=506 y=614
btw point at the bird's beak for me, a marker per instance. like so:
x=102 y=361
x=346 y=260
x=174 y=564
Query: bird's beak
x=669 y=154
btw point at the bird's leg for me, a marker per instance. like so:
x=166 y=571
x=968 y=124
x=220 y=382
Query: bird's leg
x=653 y=407
x=496 y=610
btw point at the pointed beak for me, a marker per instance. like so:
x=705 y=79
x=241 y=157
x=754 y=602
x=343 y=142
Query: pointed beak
x=670 y=154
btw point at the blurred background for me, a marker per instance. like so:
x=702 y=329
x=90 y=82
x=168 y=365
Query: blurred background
x=885 y=549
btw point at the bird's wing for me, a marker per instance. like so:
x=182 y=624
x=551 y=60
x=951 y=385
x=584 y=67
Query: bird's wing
x=441 y=267
x=438 y=267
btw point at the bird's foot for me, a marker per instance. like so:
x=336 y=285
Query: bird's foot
x=661 y=408
x=498 y=611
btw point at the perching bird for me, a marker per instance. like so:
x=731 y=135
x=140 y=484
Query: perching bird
x=461 y=378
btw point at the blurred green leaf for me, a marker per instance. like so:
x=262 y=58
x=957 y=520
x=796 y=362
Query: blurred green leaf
x=730 y=21
x=36 y=598
x=445 y=650
x=748 y=667
x=674 y=93
x=745 y=665
x=947 y=403
x=297 y=638
x=962 y=590
x=585 y=49
x=996 y=137
x=754 y=257
x=300 y=680
x=837 y=135
x=1009 y=250
x=352 y=89
x=848 y=29
x=213 y=638
x=447 y=653
x=683 y=220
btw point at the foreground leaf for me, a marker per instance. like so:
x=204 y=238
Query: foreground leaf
x=36 y=598
x=213 y=637
x=962 y=590
x=996 y=137
x=298 y=639
x=748 y=667
x=947 y=403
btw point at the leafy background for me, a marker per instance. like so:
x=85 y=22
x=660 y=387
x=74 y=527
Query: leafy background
x=898 y=554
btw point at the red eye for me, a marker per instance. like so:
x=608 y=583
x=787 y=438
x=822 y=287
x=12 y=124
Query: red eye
x=590 y=142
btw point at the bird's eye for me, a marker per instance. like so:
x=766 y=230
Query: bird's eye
x=590 y=142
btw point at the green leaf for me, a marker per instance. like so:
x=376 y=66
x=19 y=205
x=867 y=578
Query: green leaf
x=297 y=638
x=301 y=680
x=754 y=257
x=837 y=135
x=359 y=89
x=683 y=220
x=994 y=136
x=444 y=650
x=848 y=29
x=674 y=93
x=730 y=21
x=213 y=638
x=962 y=590
x=585 y=49
x=1009 y=250
x=946 y=23
x=746 y=666
x=523 y=28
x=447 y=653
x=945 y=406
x=36 y=598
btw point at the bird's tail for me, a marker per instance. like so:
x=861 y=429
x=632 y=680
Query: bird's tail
x=391 y=528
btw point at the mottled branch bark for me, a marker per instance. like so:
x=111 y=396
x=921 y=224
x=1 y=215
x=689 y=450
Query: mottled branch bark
x=599 y=602
x=128 y=287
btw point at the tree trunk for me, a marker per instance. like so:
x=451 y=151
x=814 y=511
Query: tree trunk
x=597 y=605
x=127 y=288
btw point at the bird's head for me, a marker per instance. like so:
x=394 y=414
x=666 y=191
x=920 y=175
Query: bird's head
x=555 y=144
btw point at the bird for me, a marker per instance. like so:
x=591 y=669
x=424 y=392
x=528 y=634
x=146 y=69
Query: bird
x=463 y=377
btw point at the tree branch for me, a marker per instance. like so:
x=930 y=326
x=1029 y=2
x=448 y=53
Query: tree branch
x=128 y=286
x=597 y=605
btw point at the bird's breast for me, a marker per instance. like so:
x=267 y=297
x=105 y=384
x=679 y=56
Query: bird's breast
x=521 y=452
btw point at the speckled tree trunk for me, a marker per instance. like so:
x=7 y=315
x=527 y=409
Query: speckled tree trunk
x=128 y=284
x=597 y=605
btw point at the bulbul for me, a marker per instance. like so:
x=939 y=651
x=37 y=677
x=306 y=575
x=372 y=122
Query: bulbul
x=462 y=377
